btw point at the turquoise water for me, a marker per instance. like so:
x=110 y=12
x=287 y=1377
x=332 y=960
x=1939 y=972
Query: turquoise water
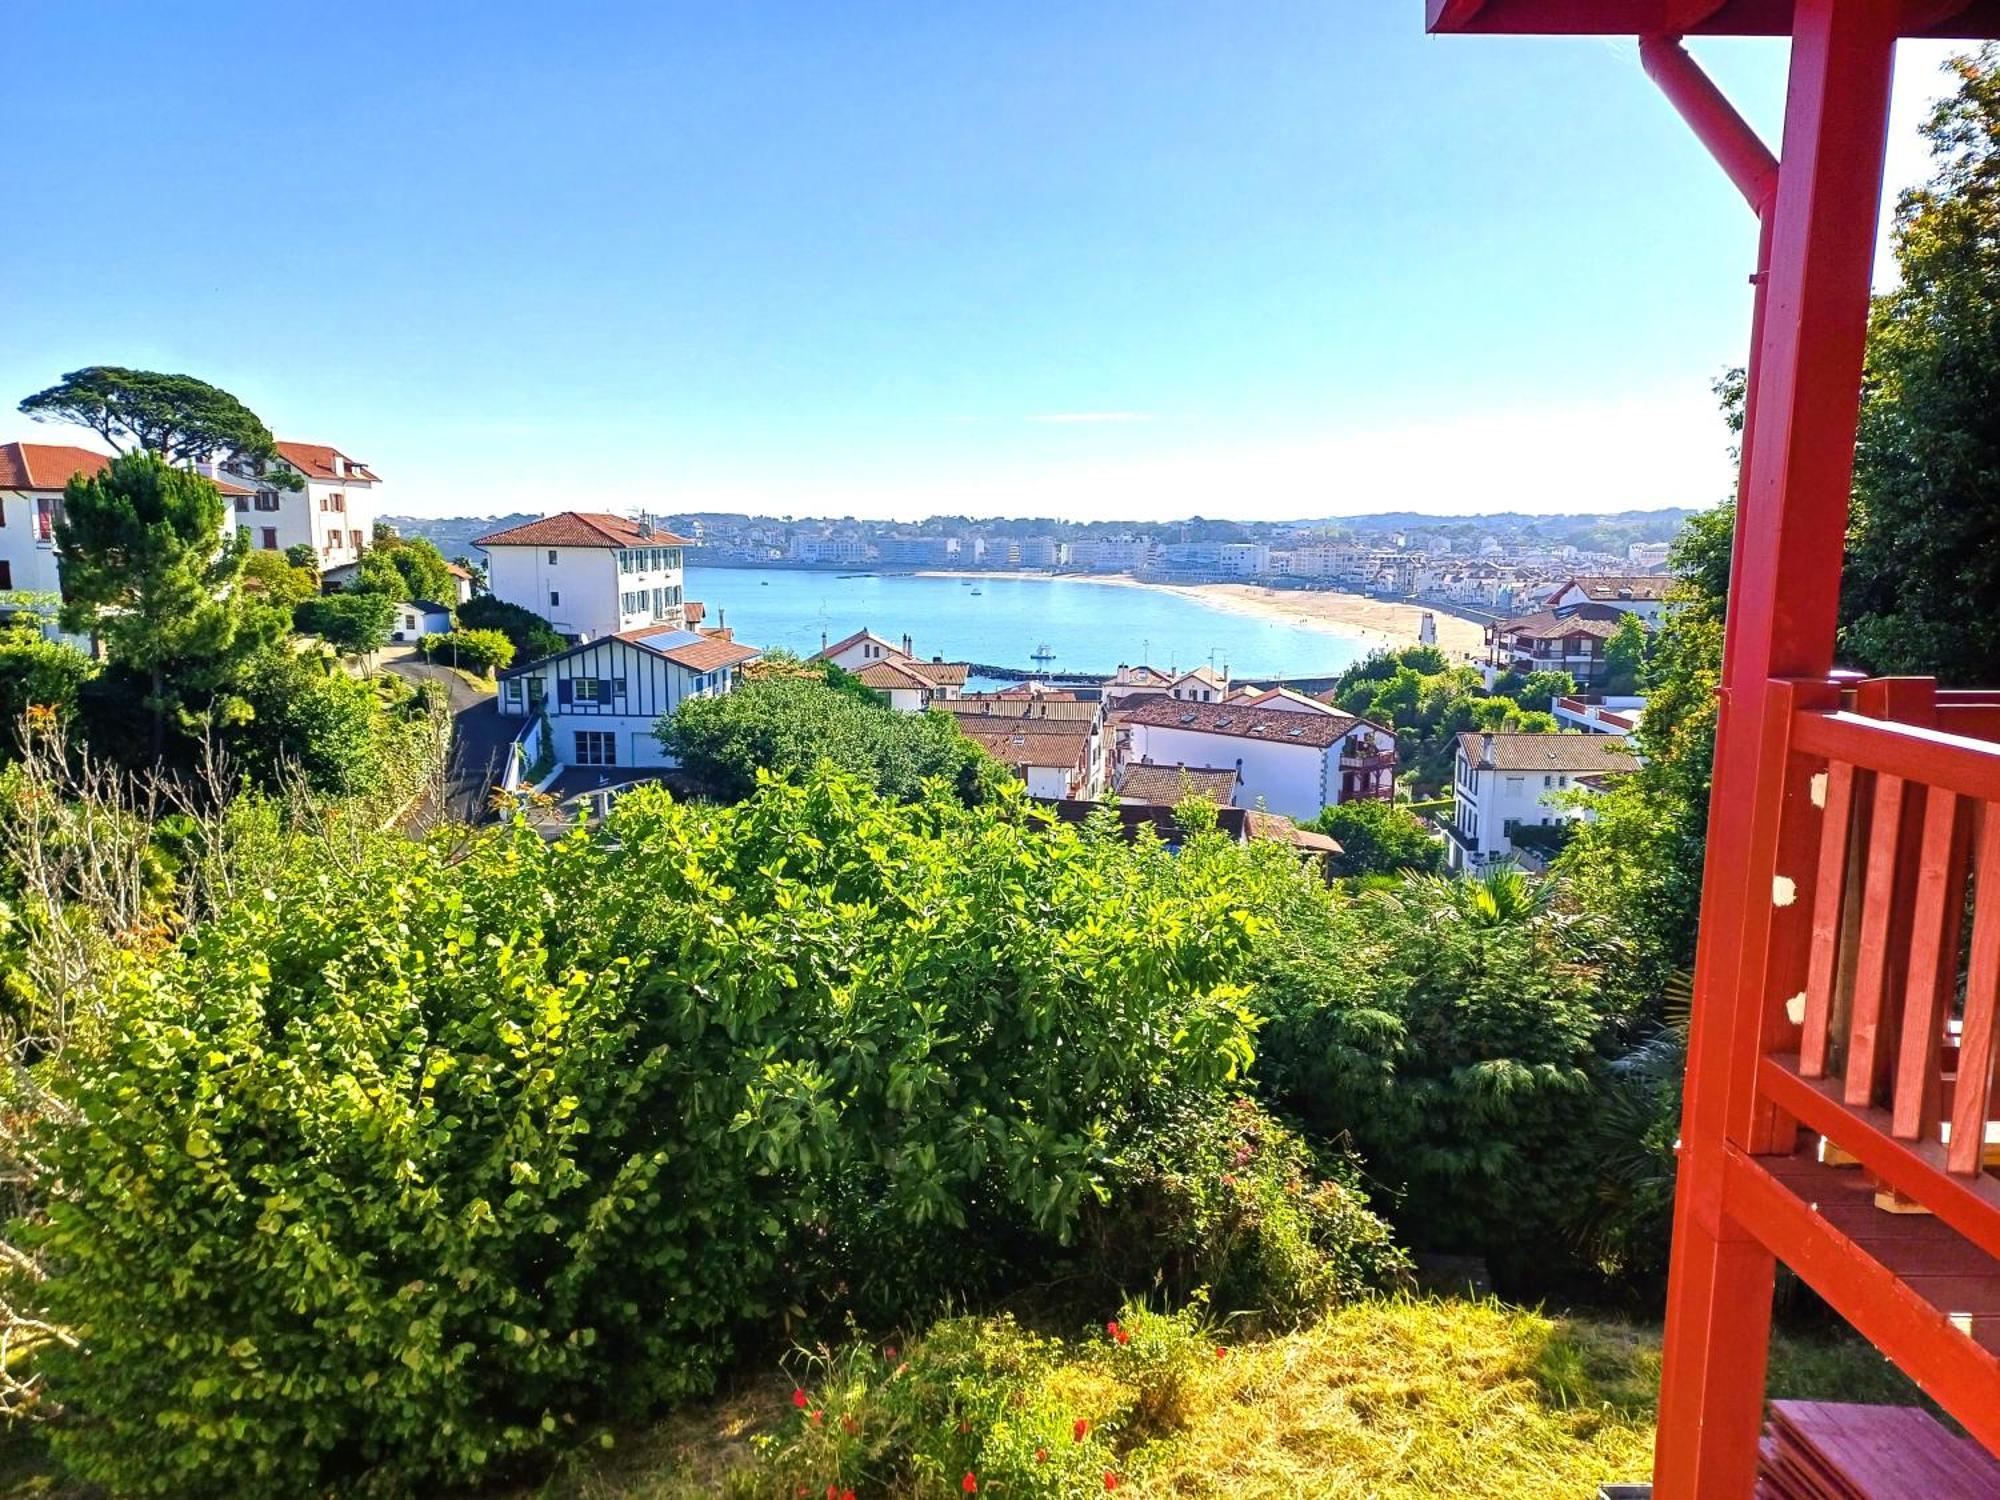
x=1091 y=627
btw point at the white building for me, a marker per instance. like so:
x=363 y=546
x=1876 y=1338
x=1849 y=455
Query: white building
x=1117 y=554
x=332 y=510
x=907 y=684
x=1038 y=734
x=1641 y=594
x=1504 y=782
x=1649 y=554
x=32 y=479
x=1292 y=759
x=417 y=618
x=829 y=551
x=1215 y=559
x=861 y=648
x=602 y=698
x=590 y=574
x=1599 y=715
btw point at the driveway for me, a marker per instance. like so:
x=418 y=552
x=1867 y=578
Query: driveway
x=480 y=738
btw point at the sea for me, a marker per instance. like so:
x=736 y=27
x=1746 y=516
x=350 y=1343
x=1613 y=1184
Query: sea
x=1030 y=624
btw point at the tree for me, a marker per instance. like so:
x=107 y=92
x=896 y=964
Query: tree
x=274 y=575
x=147 y=569
x=789 y=725
x=485 y=651
x=533 y=636
x=412 y=569
x=301 y=555
x=353 y=624
x=321 y=725
x=37 y=673
x=1379 y=838
x=1625 y=656
x=1921 y=592
x=180 y=418
x=1539 y=689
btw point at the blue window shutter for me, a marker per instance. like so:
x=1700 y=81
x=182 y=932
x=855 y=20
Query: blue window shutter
x=564 y=692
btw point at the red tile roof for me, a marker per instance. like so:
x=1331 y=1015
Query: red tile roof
x=45 y=466
x=1279 y=727
x=703 y=655
x=828 y=653
x=1599 y=620
x=315 y=461
x=582 y=528
x=1174 y=784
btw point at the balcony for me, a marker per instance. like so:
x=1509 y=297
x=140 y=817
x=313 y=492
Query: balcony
x=1872 y=1137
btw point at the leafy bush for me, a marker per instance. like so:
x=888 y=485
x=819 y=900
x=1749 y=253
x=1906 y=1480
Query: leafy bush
x=36 y=672
x=476 y=650
x=787 y=725
x=354 y=624
x=533 y=636
x=1380 y=838
x=1450 y=1029
x=1217 y=1194
x=413 y=1163
x=985 y=1401
x=324 y=726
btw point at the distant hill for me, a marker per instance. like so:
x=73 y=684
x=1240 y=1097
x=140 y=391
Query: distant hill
x=454 y=535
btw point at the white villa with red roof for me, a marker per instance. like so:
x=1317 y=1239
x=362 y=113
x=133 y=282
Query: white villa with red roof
x=590 y=574
x=906 y=683
x=32 y=478
x=1292 y=754
x=332 y=510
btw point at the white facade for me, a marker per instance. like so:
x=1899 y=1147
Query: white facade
x=589 y=575
x=27 y=541
x=860 y=649
x=603 y=698
x=332 y=511
x=417 y=618
x=1509 y=781
x=1297 y=780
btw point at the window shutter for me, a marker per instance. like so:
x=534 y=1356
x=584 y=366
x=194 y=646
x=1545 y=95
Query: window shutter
x=565 y=693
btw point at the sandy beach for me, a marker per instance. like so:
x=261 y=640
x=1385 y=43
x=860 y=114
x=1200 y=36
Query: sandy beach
x=1379 y=622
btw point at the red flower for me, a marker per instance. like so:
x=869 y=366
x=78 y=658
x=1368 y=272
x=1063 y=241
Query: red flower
x=890 y=1354
x=1112 y=1329
x=965 y=1424
x=818 y=1417
x=847 y=1495
x=1041 y=1455
x=833 y=1492
x=799 y=1400
x=849 y=1426
x=1220 y=1352
x=1076 y=1433
x=969 y=1484
x=1110 y=1480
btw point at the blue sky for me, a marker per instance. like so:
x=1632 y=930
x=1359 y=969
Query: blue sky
x=1140 y=259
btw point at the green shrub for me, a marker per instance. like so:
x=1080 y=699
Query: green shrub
x=36 y=672
x=354 y=624
x=533 y=636
x=1380 y=838
x=1218 y=1194
x=398 y=1170
x=476 y=650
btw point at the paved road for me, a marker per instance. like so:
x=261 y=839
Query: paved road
x=479 y=737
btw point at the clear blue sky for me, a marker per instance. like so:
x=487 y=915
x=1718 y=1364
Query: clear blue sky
x=1276 y=258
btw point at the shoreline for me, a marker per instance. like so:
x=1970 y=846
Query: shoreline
x=1376 y=623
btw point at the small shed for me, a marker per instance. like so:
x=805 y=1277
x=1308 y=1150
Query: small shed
x=417 y=618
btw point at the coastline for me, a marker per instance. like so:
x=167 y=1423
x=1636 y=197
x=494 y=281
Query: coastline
x=1375 y=622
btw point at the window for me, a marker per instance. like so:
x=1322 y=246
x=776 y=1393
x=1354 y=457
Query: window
x=554 y=598
x=587 y=690
x=511 y=688
x=267 y=500
x=354 y=540
x=6 y=574
x=1548 y=781
x=596 y=747
x=552 y=557
x=1515 y=784
x=242 y=503
x=45 y=519
x=337 y=503
x=270 y=541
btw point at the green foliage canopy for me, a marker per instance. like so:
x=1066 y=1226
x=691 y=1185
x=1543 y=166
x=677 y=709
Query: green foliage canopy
x=180 y=418
x=533 y=636
x=354 y=624
x=1380 y=838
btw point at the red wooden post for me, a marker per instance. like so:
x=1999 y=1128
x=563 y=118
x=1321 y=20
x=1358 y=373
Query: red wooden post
x=1791 y=523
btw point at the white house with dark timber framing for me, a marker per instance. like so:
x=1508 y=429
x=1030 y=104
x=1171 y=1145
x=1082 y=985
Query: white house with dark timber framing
x=602 y=698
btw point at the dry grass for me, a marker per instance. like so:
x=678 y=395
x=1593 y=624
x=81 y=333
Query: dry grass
x=1400 y=1399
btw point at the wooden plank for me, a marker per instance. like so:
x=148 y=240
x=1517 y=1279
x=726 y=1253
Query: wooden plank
x=1968 y=767
x=1969 y=1204
x=1959 y=1372
x=1970 y=1105
x=1916 y=1101
x=1874 y=1001
x=1829 y=889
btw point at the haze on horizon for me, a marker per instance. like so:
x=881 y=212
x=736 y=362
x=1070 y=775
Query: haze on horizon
x=1163 y=259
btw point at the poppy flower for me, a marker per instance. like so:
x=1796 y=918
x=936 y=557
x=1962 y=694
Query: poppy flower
x=1220 y=1352
x=890 y=1354
x=969 y=1484
x=833 y=1492
x=1041 y=1455
x=847 y=1495
x=799 y=1400
x=818 y=1417
x=1110 y=1480
x=1076 y=1433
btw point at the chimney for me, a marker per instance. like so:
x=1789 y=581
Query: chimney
x=822 y=640
x=906 y=644
x=1486 y=752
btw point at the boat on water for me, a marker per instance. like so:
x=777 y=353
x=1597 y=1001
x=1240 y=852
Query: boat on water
x=1043 y=653
x=977 y=592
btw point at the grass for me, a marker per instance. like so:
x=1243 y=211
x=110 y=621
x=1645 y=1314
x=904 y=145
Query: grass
x=1396 y=1399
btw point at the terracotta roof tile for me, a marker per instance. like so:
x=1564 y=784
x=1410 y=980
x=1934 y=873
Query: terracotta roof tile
x=1589 y=754
x=1173 y=784
x=315 y=461
x=1281 y=727
x=581 y=528
x=45 y=466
